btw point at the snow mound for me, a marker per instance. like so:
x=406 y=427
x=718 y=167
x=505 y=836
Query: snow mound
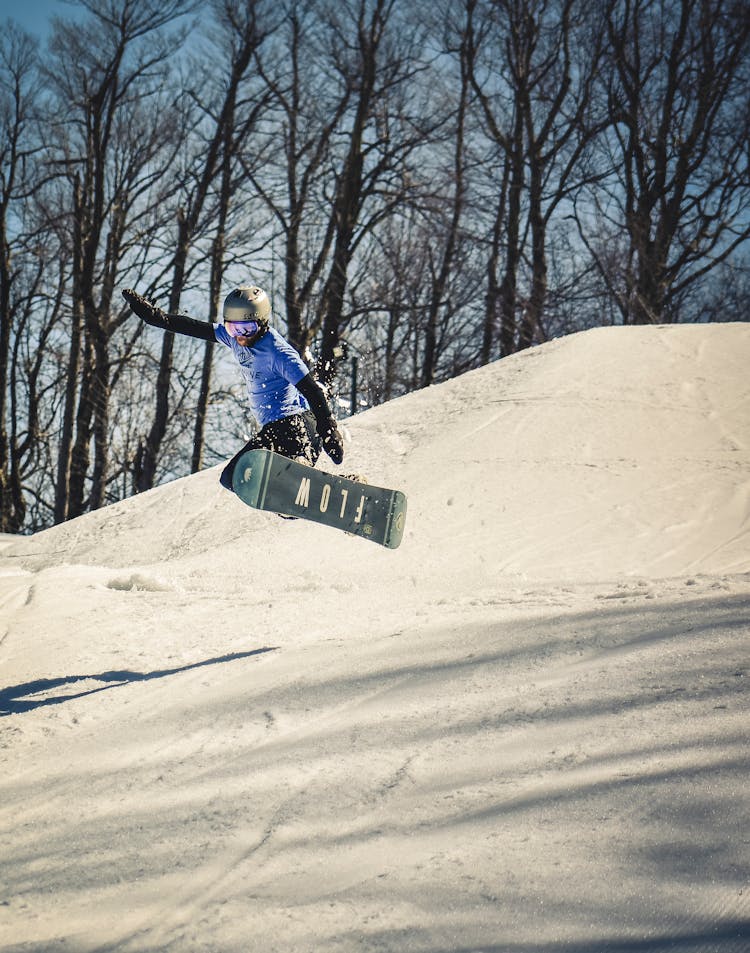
x=617 y=451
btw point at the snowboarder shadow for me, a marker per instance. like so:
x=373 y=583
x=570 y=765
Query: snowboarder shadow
x=31 y=695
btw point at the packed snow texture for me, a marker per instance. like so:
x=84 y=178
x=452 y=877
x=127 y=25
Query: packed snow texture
x=524 y=731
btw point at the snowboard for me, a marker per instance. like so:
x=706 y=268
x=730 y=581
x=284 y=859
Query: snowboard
x=267 y=481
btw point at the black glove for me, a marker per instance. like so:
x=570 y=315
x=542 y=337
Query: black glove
x=145 y=309
x=333 y=443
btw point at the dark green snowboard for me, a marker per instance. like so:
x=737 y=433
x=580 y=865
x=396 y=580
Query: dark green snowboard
x=268 y=481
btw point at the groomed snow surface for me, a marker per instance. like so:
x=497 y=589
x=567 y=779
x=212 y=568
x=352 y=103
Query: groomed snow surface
x=524 y=731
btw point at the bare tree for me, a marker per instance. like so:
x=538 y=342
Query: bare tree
x=347 y=124
x=97 y=70
x=306 y=109
x=390 y=303
x=532 y=65
x=677 y=200
x=413 y=280
x=19 y=145
x=376 y=55
x=225 y=124
x=447 y=238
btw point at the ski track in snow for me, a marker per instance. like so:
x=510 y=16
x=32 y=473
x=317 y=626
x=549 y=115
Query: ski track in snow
x=525 y=731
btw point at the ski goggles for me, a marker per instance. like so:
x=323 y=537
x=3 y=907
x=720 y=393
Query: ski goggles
x=241 y=329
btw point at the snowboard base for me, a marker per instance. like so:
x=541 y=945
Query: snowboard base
x=267 y=481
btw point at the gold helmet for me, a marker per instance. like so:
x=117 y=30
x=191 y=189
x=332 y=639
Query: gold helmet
x=247 y=303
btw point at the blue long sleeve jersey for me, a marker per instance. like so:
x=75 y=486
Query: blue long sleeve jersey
x=278 y=381
x=271 y=369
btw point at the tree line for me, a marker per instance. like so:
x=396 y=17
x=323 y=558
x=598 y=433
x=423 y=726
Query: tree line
x=422 y=186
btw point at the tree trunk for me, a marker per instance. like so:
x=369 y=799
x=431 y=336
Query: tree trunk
x=440 y=284
x=531 y=323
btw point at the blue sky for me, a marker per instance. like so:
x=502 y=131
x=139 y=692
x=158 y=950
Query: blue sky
x=34 y=15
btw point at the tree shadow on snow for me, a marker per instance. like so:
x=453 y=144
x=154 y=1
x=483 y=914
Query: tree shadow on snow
x=723 y=937
x=31 y=695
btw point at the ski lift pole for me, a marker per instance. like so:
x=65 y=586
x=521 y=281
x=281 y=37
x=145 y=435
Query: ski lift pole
x=355 y=362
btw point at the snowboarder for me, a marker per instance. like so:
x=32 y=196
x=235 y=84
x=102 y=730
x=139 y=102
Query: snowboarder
x=288 y=404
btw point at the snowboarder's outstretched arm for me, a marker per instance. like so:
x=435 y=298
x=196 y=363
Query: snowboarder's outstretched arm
x=174 y=323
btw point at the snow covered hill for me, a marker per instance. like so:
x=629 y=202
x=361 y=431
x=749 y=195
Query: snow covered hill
x=523 y=731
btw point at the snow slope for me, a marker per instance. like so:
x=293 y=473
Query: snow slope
x=523 y=731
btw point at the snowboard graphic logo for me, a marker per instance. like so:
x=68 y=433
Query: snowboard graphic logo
x=268 y=481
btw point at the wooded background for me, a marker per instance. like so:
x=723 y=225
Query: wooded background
x=422 y=186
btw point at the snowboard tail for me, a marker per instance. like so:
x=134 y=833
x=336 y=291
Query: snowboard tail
x=267 y=481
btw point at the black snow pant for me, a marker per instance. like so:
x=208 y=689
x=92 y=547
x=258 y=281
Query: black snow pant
x=295 y=437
